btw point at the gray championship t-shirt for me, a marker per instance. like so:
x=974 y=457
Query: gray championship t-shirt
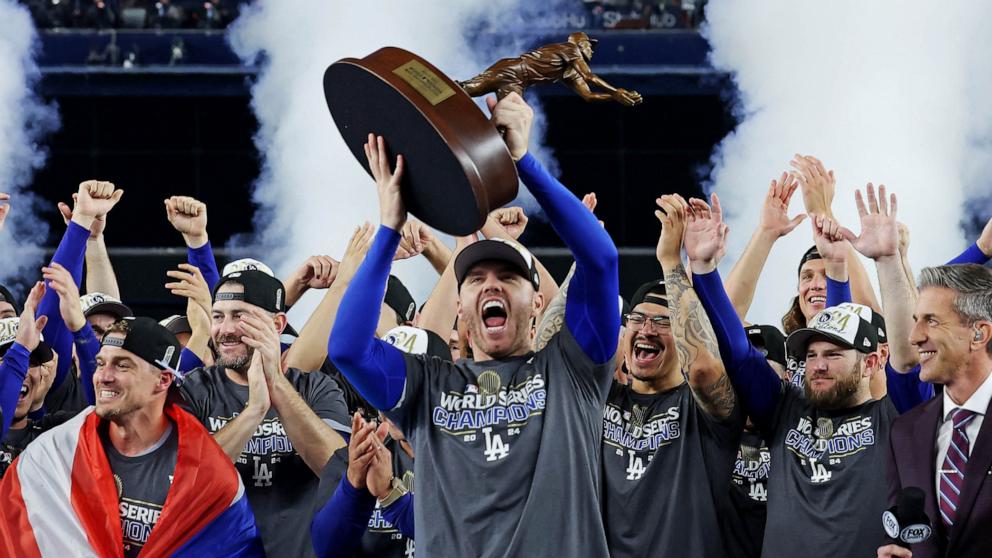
x=666 y=467
x=507 y=453
x=279 y=484
x=826 y=485
x=143 y=484
x=747 y=507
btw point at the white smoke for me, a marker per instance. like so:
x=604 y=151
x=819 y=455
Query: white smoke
x=312 y=192
x=25 y=119
x=886 y=91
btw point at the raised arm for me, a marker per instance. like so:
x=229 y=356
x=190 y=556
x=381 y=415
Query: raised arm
x=310 y=348
x=755 y=383
x=189 y=217
x=879 y=240
x=189 y=283
x=834 y=250
x=818 y=186
x=375 y=368
x=317 y=272
x=87 y=346
x=695 y=343
x=93 y=199
x=100 y=277
x=509 y=223
x=774 y=224
x=15 y=361
x=591 y=311
x=980 y=252
x=441 y=308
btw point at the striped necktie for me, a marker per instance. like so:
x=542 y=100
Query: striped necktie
x=955 y=463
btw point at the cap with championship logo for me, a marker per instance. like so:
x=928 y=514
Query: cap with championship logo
x=149 y=341
x=8 y=297
x=499 y=249
x=769 y=340
x=8 y=333
x=876 y=319
x=841 y=326
x=260 y=289
x=400 y=300
x=652 y=292
x=417 y=341
x=100 y=303
x=246 y=264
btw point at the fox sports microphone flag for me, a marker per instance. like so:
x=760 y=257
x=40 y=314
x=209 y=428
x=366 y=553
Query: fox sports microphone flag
x=59 y=498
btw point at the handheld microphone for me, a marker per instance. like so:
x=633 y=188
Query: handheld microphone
x=906 y=523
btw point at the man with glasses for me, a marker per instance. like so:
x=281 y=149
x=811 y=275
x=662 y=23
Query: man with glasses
x=670 y=436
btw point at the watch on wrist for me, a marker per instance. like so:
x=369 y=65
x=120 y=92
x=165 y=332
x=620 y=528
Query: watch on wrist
x=397 y=491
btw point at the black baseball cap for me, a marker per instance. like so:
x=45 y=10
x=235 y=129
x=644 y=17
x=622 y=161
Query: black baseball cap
x=101 y=303
x=399 y=299
x=176 y=324
x=7 y=296
x=260 y=289
x=149 y=341
x=840 y=325
x=769 y=340
x=499 y=249
x=811 y=254
x=652 y=292
x=8 y=333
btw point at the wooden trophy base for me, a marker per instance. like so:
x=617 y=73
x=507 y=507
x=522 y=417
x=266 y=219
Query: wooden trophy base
x=457 y=167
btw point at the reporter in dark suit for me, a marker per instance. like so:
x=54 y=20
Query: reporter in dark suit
x=944 y=446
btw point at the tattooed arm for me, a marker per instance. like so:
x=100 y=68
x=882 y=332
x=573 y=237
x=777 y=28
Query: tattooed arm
x=695 y=342
x=553 y=317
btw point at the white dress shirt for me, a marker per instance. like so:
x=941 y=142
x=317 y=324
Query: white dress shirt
x=979 y=404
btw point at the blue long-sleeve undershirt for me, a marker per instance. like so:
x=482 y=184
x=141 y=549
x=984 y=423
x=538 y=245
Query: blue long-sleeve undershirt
x=87 y=347
x=203 y=258
x=972 y=254
x=337 y=527
x=838 y=292
x=376 y=368
x=69 y=254
x=399 y=514
x=12 y=373
x=756 y=383
x=591 y=311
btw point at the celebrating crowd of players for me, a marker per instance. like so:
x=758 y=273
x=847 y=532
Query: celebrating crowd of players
x=546 y=419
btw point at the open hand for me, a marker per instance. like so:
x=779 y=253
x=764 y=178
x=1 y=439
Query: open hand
x=775 y=211
x=672 y=215
x=354 y=253
x=191 y=285
x=705 y=234
x=361 y=450
x=392 y=210
x=60 y=280
x=879 y=224
x=29 y=328
x=817 y=184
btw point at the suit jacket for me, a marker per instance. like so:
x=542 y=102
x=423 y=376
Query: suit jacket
x=912 y=462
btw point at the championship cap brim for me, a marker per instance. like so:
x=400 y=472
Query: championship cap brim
x=497 y=249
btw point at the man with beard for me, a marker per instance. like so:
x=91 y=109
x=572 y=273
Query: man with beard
x=670 y=435
x=27 y=370
x=827 y=439
x=507 y=442
x=279 y=428
x=136 y=475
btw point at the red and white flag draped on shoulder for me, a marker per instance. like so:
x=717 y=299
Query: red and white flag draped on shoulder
x=59 y=498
